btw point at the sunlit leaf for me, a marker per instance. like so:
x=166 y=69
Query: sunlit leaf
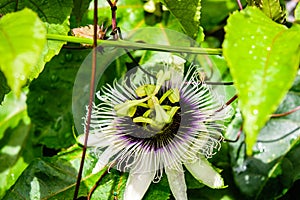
x=263 y=61
x=20 y=50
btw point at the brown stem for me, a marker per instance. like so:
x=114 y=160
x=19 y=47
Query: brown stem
x=97 y=183
x=286 y=113
x=279 y=138
x=228 y=103
x=240 y=4
x=113 y=7
x=237 y=137
x=110 y=3
x=91 y=97
x=218 y=83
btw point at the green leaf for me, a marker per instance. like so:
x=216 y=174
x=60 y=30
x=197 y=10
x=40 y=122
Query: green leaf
x=4 y=89
x=212 y=20
x=15 y=144
x=16 y=151
x=51 y=11
x=50 y=98
x=158 y=191
x=12 y=111
x=263 y=61
x=20 y=50
x=290 y=167
x=55 y=178
x=55 y=22
x=188 y=14
x=79 y=9
x=52 y=47
x=267 y=169
x=271 y=8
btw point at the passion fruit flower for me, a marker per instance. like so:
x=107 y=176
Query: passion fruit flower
x=149 y=124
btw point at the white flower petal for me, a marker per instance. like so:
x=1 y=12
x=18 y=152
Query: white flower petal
x=137 y=185
x=94 y=140
x=177 y=183
x=205 y=173
x=99 y=166
x=104 y=158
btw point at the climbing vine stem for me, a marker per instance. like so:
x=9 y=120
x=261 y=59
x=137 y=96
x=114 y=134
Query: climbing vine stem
x=135 y=45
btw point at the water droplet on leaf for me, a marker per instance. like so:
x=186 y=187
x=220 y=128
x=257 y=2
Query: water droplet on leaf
x=54 y=78
x=41 y=100
x=78 y=58
x=255 y=111
x=62 y=61
x=247 y=177
x=260 y=147
x=68 y=56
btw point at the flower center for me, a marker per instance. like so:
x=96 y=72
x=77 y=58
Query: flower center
x=154 y=109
